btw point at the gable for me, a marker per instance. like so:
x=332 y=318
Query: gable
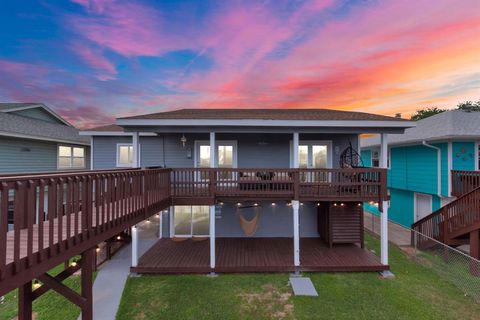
x=38 y=113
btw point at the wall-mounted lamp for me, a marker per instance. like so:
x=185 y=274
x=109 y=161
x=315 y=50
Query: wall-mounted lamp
x=183 y=140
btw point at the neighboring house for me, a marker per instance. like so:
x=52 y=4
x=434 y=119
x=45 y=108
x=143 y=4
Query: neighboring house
x=421 y=161
x=33 y=138
x=235 y=176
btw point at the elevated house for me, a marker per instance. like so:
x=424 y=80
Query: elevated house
x=433 y=177
x=33 y=138
x=273 y=189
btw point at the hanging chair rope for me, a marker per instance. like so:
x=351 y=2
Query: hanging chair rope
x=249 y=227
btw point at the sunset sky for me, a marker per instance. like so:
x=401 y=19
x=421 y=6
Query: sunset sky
x=94 y=60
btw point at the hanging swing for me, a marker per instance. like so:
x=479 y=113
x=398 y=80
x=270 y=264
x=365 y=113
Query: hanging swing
x=249 y=227
x=350 y=158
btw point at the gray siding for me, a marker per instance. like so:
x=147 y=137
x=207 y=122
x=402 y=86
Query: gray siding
x=254 y=150
x=39 y=114
x=24 y=155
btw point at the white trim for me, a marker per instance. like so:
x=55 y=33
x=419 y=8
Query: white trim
x=115 y=133
x=160 y=225
x=171 y=230
x=186 y=235
x=415 y=194
x=50 y=111
x=477 y=155
x=26 y=136
x=129 y=144
x=296 y=233
x=311 y=143
x=294 y=160
x=384 y=214
x=449 y=167
x=266 y=123
x=198 y=143
x=71 y=167
x=91 y=153
x=134 y=246
x=212 y=237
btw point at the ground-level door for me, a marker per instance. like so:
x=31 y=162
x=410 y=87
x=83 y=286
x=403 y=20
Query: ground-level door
x=190 y=221
x=422 y=205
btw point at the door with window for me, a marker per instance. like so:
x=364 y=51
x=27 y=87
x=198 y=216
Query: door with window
x=314 y=155
x=191 y=221
x=225 y=157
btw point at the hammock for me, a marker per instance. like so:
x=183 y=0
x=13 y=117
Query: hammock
x=249 y=227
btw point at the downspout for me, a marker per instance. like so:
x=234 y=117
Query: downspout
x=439 y=166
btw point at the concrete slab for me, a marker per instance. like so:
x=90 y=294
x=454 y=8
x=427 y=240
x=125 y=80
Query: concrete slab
x=303 y=287
x=112 y=276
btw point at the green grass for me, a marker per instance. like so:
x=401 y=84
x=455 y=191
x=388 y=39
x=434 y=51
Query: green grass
x=415 y=293
x=50 y=306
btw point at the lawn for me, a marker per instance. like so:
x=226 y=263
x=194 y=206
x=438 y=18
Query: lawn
x=50 y=306
x=415 y=293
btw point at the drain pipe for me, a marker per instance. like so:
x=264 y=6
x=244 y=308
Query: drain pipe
x=439 y=166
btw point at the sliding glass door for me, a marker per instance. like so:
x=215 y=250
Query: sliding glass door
x=191 y=221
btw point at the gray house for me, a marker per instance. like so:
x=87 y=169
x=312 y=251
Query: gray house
x=33 y=138
x=250 y=180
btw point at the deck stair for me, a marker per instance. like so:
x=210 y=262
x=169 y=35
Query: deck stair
x=458 y=222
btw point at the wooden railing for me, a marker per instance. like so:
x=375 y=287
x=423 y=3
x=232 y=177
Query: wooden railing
x=464 y=181
x=452 y=220
x=45 y=219
x=365 y=184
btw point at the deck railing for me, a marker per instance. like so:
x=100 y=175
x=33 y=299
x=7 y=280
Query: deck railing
x=464 y=181
x=359 y=184
x=42 y=217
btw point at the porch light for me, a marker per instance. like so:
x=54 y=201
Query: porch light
x=359 y=204
x=318 y=204
x=255 y=204
x=157 y=215
x=97 y=249
x=73 y=263
x=335 y=204
x=36 y=284
x=289 y=204
x=274 y=204
x=238 y=204
x=301 y=203
x=220 y=203
x=183 y=140
x=342 y=204
x=119 y=238
x=148 y=220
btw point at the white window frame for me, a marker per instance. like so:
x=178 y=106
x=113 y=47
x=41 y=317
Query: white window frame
x=415 y=194
x=71 y=167
x=377 y=158
x=310 y=143
x=477 y=155
x=233 y=143
x=117 y=154
x=172 y=224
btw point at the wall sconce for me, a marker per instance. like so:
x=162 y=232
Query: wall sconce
x=183 y=140
x=189 y=153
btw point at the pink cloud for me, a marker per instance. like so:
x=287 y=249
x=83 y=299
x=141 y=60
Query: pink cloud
x=94 y=58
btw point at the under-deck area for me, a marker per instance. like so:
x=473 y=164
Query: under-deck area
x=254 y=255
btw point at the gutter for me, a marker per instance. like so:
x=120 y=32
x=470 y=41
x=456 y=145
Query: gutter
x=439 y=166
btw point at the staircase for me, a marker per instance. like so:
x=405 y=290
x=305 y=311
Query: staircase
x=458 y=222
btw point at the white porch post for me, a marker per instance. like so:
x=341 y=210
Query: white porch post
x=135 y=150
x=384 y=213
x=212 y=208
x=160 y=225
x=296 y=206
x=134 y=246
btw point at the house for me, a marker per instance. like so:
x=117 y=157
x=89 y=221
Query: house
x=244 y=183
x=33 y=138
x=421 y=162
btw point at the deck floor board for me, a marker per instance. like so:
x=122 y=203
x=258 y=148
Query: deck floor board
x=255 y=255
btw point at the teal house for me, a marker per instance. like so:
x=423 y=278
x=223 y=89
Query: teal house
x=420 y=162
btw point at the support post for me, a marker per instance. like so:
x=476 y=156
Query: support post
x=212 y=238
x=160 y=225
x=475 y=252
x=296 y=142
x=25 y=300
x=87 y=283
x=136 y=150
x=296 y=233
x=385 y=204
x=134 y=246
x=212 y=150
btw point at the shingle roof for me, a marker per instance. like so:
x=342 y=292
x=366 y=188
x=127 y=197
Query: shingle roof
x=110 y=127
x=13 y=124
x=13 y=105
x=446 y=125
x=265 y=114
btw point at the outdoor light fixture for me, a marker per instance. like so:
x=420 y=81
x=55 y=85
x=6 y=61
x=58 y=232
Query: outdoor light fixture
x=289 y=203
x=359 y=204
x=97 y=249
x=342 y=204
x=36 y=284
x=119 y=238
x=238 y=204
x=183 y=140
x=334 y=204
x=73 y=263
x=318 y=204
x=148 y=220
x=301 y=203
x=220 y=203
x=255 y=204
x=274 y=204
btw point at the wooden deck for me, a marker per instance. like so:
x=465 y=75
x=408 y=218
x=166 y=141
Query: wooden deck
x=235 y=255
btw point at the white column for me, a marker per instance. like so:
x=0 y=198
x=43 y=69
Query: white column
x=296 y=233
x=160 y=225
x=212 y=150
x=136 y=150
x=134 y=246
x=212 y=237
x=384 y=213
x=296 y=141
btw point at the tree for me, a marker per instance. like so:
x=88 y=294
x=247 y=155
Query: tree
x=425 y=113
x=469 y=106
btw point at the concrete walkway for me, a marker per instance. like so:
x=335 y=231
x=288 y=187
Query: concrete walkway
x=396 y=233
x=112 y=276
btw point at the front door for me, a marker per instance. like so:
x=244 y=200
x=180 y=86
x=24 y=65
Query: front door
x=423 y=205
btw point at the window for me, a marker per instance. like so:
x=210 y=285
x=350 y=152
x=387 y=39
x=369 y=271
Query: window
x=375 y=159
x=124 y=155
x=191 y=221
x=71 y=157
